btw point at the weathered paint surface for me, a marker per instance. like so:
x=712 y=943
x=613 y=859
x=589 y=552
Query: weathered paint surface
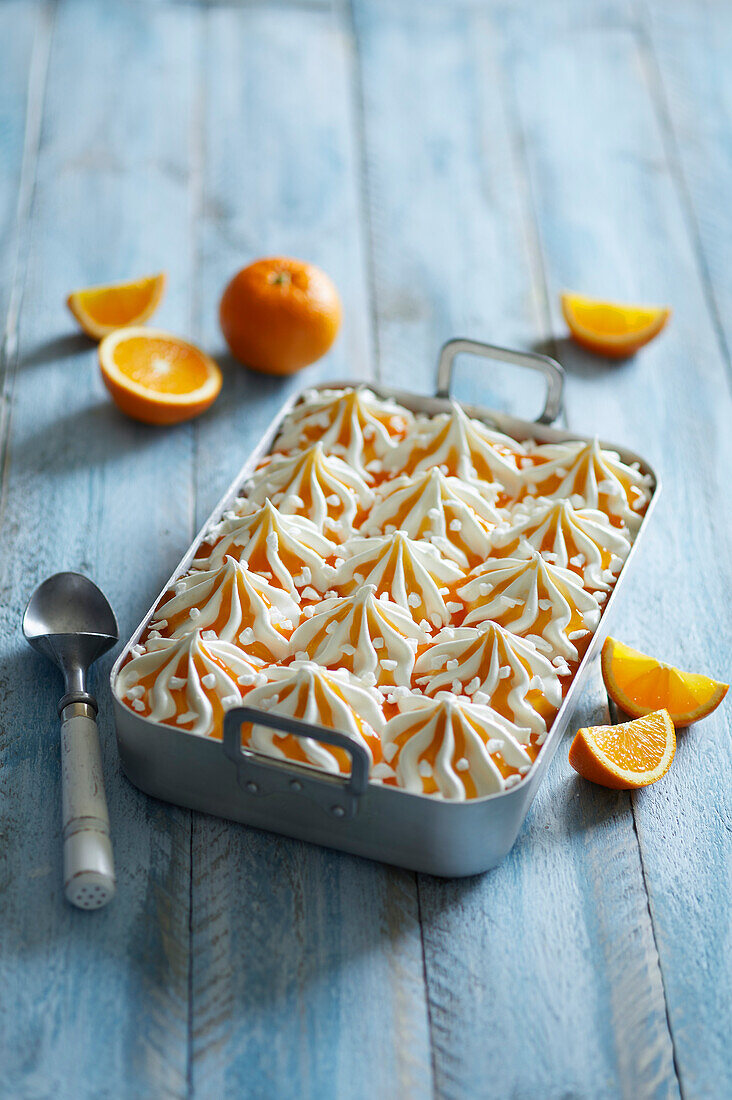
x=453 y=166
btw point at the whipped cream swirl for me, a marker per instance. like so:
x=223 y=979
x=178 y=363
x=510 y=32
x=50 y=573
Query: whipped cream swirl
x=371 y=637
x=462 y=447
x=454 y=515
x=580 y=539
x=453 y=748
x=410 y=573
x=352 y=423
x=188 y=682
x=321 y=487
x=333 y=699
x=495 y=668
x=589 y=477
x=540 y=601
x=236 y=604
x=289 y=551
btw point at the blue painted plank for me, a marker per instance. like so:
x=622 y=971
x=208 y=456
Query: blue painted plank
x=305 y=962
x=22 y=81
x=531 y=969
x=614 y=221
x=686 y=47
x=94 y=1004
x=454 y=251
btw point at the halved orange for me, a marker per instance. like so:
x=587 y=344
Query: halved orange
x=640 y=684
x=609 y=328
x=626 y=756
x=103 y=309
x=157 y=377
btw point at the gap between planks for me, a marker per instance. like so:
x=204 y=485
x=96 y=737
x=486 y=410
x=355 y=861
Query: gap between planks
x=198 y=157
x=21 y=238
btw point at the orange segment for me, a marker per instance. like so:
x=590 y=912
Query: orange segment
x=609 y=328
x=626 y=756
x=640 y=684
x=102 y=309
x=156 y=377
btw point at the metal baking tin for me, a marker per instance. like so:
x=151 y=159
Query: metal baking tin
x=420 y=832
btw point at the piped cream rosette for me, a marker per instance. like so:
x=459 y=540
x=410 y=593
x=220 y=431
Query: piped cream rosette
x=236 y=604
x=323 y=488
x=189 y=681
x=534 y=599
x=331 y=698
x=288 y=551
x=461 y=447
x=454 y=515
x=495 y=668
x=371 y=636
x=354 y=424
x=589 y=477
x=408 y=572
x=580 y=539
x=454 y=748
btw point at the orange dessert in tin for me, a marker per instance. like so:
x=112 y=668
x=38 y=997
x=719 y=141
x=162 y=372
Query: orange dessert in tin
x=427 y=585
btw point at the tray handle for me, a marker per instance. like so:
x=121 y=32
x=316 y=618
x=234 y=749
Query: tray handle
x=261 y=775
x=551 y=370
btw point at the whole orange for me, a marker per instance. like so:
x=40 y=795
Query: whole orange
x=279 y=314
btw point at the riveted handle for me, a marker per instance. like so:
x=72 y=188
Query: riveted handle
x=551 y=370
x=259 y=774
x=89 y=879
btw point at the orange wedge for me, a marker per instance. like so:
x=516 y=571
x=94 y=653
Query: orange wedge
x=156 y=377
x=640 y=684
x=627 y=756
x=611 y=329
x=102 y=309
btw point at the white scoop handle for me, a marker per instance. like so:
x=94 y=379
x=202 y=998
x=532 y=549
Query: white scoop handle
x=89 y=880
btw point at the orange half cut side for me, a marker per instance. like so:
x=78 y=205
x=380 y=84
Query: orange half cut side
x=103 y=309
x=156 y=377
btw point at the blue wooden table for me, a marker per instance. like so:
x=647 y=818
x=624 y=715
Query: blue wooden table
x=453 y=164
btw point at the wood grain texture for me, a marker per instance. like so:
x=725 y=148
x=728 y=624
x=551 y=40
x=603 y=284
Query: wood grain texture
x=551 y=928
x=305 y=962
x=612 y=220
x=686 y=47
x=454 y=250
x=100 y=1001
x=453 y=166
